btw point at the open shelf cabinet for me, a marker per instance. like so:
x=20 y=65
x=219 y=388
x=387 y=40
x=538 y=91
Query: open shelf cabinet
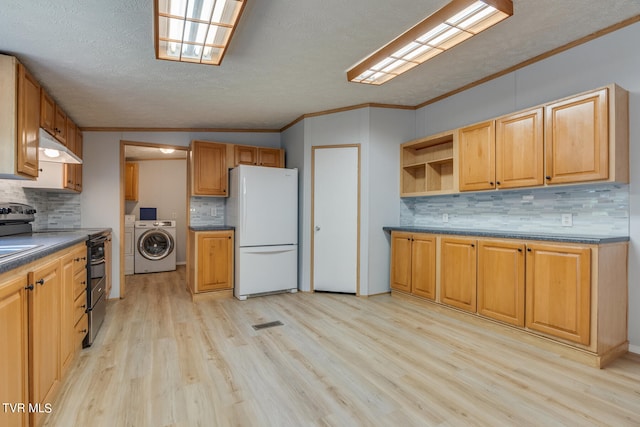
x=428 y=166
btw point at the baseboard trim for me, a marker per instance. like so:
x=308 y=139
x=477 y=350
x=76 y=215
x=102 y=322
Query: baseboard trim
x=634 y=349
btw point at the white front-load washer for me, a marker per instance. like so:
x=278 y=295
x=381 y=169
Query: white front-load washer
x=155 y=249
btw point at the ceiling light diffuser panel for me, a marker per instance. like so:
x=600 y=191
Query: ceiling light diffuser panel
x=442 y=30
x=196 y=31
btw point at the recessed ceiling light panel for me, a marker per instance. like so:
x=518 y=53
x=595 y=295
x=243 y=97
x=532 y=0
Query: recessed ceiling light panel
x=444 y=29
x=196 y=31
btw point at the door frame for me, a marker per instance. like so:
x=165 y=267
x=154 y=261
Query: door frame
x=123 y=145
x=313 y=177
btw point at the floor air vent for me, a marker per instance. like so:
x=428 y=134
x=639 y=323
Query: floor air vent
x=267 y=325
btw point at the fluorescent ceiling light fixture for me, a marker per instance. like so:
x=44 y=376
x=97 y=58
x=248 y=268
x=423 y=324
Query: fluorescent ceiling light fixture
x=167 y=150
x=195 y=31
x=442 y=30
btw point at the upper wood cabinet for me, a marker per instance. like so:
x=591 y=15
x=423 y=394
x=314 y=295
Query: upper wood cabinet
x=477 y=157
x=577 y=137
x=458 y=273
x=270 y=157
x=245 y=155
x=559 y=291
x=131 y=181
x=501 y=279
x=505 y=153
x=209 y=173
x=14 y=336
x=47 y=112
x=428 y=165
x=19 y=120
x=60 y=125
x=258 y=156
x=520 y=149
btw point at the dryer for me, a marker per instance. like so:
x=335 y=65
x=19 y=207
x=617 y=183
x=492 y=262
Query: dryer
x=155 y=246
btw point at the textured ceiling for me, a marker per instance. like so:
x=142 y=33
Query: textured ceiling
x=287 y=57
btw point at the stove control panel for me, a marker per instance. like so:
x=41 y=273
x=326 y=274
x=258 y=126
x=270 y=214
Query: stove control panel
x=16 y=213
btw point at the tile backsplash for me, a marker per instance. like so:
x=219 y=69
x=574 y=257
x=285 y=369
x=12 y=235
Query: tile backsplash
x=207 y=210
x=597 y=210
x=54 y=210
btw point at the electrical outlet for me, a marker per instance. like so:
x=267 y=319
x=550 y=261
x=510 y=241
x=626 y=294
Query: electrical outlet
x=445 y=217
x=567 y=220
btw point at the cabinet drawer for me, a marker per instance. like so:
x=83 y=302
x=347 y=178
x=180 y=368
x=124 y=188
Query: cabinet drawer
x=81 y=331
x=80 y=260
x=79 y=307
x=79 y=283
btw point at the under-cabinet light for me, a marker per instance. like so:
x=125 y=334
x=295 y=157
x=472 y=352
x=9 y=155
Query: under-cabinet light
x=195 y=31
x=167 y=150
x=442 y=30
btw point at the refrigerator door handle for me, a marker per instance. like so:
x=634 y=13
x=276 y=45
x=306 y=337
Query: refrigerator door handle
x=270 y=249
x=244 y=203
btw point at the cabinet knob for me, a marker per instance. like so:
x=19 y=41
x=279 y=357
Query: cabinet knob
x=490 y=182
x=548 y=177
x=519 y=249
x=29 y=288
x=84 y=331
x=497 y=182
x=528 y=249
x=473 y=245
x=40 y=282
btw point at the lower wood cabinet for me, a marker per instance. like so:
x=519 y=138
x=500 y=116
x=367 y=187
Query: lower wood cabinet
x=559 y=291
x=571 y=293
x=211 y=258
x=42 y=312
x=44 y=335
x=458 y=273
x=501 y=280
x=413 y=264
x=14 y=359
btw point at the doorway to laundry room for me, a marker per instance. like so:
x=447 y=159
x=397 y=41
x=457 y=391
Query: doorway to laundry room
x=154 y=207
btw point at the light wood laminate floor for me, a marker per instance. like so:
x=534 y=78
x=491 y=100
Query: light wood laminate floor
x=338 y=360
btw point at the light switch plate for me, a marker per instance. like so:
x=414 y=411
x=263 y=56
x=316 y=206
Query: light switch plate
x=567 y=220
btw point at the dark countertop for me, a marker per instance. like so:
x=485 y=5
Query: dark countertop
x=211 y=227
x=592 y=240
x=49 y=241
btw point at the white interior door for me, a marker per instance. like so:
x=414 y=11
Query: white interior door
x=335 y=218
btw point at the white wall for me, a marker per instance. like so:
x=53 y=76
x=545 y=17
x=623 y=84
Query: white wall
x=389 y=128
x=162 y=184
x=614 y=58
x=293 y=144
x=101 y=174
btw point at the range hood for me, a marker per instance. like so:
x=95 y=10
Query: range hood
x=52 y=151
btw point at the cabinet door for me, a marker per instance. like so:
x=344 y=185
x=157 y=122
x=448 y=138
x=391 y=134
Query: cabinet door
x=245 y=155
x=423 y=266
x=108 y=263
x=477 y=157
x=458 y=273
x=558 y=295
x=401 y=261
x=215 y=261
x=131 y=181
x=210 y=175
x=270 y=157
x=577 y=143
x=14 y=349
x=47 y=112
x=69 y=176
x=44 y=335
x=67 y=313
x=520 y=150
x=60 y=126
x=78 y=168
x=501 y=281
x=28 y=123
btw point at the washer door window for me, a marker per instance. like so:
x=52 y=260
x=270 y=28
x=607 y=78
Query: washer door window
x=155 y=244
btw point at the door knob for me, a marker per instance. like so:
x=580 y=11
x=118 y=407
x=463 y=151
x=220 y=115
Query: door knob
x=317 y=228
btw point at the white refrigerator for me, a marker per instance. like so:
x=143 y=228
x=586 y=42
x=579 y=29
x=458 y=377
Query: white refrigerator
x=263 y=208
